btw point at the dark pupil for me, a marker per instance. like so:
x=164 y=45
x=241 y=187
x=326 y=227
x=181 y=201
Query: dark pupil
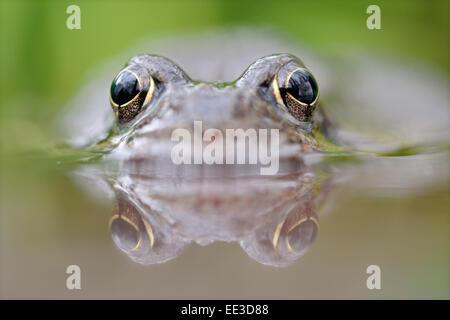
x=124 y=88
x=302 y=86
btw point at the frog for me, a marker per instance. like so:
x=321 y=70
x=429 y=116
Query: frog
x=162 y=206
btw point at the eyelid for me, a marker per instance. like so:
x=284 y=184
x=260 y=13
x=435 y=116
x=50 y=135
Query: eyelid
x=276 y=90
x=132 y=224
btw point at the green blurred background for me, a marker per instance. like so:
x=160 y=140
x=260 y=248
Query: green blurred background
x=45 y=217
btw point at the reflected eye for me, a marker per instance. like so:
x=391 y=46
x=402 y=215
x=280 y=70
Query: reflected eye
x=302 y=86
x=301 y=235
x=125 y=232
x=125 y=88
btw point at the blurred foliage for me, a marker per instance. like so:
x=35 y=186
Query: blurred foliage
x=43 y=62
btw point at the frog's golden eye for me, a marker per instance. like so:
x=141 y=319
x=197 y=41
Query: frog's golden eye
x=299 y=92
x=129 y=93
x=126 y=233
x=297 y=235
x=131 y=232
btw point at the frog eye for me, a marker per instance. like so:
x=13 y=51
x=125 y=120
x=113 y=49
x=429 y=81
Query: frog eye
x=129 y=93
x=125 y=88
x=299 y=93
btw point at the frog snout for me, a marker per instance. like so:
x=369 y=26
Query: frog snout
x=208 y=126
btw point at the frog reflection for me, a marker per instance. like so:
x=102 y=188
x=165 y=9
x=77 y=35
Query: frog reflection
x=152 y=96
x=276 y=237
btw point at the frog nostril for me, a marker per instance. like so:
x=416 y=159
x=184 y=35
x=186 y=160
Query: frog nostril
x=302 y=86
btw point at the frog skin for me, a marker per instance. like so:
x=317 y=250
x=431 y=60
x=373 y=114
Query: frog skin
x=161 y=207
